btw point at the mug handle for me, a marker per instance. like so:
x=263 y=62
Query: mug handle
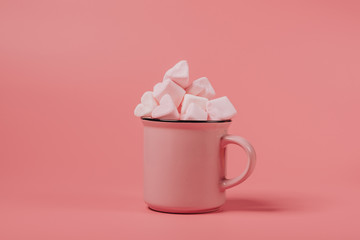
x=250 y=151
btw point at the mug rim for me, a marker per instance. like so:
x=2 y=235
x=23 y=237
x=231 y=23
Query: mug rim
x=185 y=121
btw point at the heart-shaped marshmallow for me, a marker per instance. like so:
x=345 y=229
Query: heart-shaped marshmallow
x=148 y=100
x=148 y=103
x=201 y=87
x=220 y=109
x=188 y=99
x=142 y=111
x=166 y=109
x=169 y=87
x=195 y=112
x=179 y=74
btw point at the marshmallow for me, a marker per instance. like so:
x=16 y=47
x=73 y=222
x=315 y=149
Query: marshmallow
x=148 y=103
x=148 y=100
x=188 y=99
x=166 y=109
x=220 y=109
x=157 y=87
x=195 y=112
x=142 y=111
x=201 y=87
x=169 y=87
x=193 y=103
x=179 y=74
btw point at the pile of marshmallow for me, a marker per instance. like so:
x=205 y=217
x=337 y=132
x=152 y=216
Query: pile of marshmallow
x=175 y=98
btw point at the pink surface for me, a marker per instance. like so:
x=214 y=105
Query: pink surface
x=71 y=73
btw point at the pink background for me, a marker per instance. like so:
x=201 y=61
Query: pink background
x=71 y=73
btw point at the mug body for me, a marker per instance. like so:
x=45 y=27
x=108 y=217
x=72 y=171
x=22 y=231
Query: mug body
x=183 y=168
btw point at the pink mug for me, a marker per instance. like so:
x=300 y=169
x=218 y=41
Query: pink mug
x=184 y=164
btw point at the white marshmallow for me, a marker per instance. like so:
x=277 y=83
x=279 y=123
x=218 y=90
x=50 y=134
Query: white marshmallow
x=142 y=111
x=201 y=87
x=188 y=99
x=220 y=109
x=148 y=103
x=157 y=87
x=166 y=109
x=169 y=87
x=195 y=112
x=148 y=100
x=179 y=74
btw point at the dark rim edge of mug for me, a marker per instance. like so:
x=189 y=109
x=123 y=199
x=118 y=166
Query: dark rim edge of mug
x=185 y=121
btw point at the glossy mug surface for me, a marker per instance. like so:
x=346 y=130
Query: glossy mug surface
x=184 y=164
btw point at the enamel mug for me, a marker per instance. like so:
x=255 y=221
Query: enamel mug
x=184 y=164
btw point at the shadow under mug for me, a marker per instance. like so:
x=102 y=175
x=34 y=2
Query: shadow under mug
x=184 y=164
